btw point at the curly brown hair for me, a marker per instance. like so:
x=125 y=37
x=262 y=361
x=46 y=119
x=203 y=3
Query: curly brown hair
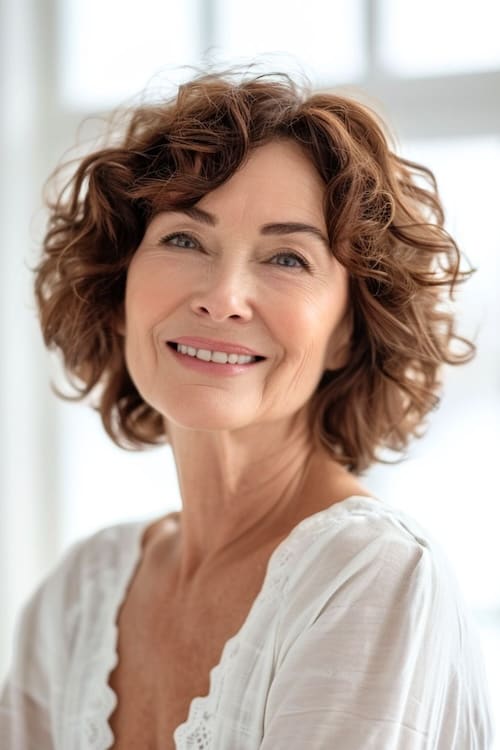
x=385 y=225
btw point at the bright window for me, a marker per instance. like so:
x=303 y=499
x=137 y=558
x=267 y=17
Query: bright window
x=109 y=50
x=434 y=37
x=322 y=36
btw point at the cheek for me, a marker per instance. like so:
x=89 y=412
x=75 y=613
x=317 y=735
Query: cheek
x=145 y=304
x=308 y=320
x=150 y=294
x=319 y=327
x=300 y=330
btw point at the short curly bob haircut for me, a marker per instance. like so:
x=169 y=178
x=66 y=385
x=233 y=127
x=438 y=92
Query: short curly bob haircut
x=385 y=226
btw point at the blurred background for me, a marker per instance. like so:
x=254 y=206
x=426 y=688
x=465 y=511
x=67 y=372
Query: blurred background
x=431 y=68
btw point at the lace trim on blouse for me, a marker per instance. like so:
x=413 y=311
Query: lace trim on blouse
x=196 y=732
x=112 y=591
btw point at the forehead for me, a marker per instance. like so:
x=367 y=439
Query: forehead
x=276 y=177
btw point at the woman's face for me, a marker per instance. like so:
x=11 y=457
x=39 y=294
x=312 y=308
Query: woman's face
x=235 y=275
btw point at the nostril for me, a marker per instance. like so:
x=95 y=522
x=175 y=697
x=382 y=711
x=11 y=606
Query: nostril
x=222 y=306
x=206 y=311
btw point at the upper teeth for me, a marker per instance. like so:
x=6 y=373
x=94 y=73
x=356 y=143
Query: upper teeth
x=221 y=357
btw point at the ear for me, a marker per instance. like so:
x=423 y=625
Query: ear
x=339 y=346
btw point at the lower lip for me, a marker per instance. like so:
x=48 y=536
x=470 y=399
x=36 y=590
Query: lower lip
x=211 y=368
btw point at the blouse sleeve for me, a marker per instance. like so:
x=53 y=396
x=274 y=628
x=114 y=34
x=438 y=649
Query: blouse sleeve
x=387 y=661
x=35 y=683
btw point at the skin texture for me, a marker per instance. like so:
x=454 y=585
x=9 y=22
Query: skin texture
x=246 y=465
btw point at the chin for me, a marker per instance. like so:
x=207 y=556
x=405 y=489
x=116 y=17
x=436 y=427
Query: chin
x=201 y=414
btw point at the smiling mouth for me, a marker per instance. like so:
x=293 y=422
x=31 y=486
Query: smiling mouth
x=208 y=355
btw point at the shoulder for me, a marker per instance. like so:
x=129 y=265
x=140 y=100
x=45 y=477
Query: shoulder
x=363 y=530
x=104 y=551
x=90 y=567
x=372 y=624
x=362 y=553
x=61 y=624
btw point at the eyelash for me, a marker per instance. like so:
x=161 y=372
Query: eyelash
x=303 y=262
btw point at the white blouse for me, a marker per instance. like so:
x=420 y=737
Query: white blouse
x=358 y=639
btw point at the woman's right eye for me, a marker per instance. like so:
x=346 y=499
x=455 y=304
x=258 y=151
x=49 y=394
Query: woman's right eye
x=182 y=237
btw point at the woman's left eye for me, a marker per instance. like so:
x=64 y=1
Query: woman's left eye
x=290 y=260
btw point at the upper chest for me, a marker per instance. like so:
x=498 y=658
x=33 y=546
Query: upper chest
x=166 y=647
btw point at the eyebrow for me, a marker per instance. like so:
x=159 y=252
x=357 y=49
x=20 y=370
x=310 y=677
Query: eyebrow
x=282 y=227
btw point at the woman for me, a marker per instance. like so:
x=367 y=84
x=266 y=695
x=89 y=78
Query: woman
x=253 y=276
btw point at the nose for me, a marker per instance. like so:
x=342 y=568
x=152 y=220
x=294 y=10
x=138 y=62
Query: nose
x=224 y=294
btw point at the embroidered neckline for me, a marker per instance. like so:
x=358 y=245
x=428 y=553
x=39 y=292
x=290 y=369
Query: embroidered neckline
x=197 y=726
x=96 y=727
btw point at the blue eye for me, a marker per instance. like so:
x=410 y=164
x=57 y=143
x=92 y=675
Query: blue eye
x=290 y=260
x=168 y=239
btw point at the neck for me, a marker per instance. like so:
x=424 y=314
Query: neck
x=238 y=489
x=243 y=492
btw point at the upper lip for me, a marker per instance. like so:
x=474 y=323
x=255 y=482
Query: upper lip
x=215 y=346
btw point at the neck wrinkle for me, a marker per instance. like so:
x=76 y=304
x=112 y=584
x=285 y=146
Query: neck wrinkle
x=236 y=500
